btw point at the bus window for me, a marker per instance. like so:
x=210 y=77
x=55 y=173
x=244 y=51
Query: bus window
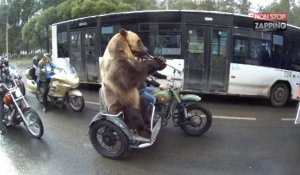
x=160 y=44
x=106 y=34
x=293 y=55
x=240 y=51
x=260 y=53
x=62 y=44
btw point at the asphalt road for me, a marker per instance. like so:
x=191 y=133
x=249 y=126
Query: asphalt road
x=247 y=136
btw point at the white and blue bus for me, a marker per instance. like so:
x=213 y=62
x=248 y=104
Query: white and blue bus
x=220 y=53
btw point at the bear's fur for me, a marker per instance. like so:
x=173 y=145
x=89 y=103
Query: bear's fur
x=122 y=74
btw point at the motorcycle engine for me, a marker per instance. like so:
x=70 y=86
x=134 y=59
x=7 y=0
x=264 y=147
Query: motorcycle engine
x=161 y=110
x=5 y=112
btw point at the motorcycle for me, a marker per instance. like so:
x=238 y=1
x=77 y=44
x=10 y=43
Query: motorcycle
x=111 y=137
x=16 y=110
x=63 y=87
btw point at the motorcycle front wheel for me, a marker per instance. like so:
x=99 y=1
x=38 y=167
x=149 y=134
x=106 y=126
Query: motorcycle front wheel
x=197 y=121
x=109 y=140
x=34 y=124
x=76 y=103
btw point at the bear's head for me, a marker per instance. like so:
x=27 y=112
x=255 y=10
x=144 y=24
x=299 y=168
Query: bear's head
x=126 y=44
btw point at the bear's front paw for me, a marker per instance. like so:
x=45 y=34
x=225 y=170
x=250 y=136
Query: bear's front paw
x=160 y=59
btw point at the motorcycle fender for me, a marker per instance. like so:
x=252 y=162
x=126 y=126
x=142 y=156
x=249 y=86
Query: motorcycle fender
x=19 y=82
x=113 y=119
x=190 y=97
x=75 y=92
x=31 y=86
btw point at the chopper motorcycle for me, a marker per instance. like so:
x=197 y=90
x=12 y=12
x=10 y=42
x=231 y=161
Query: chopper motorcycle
x=111 y=137
x=63 y=87
x=16 y=110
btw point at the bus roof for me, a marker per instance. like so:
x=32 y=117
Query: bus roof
x=160 y=11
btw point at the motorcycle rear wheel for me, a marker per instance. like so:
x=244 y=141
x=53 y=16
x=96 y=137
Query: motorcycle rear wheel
x=196 y=124
x=110 y=136
x=35 y=126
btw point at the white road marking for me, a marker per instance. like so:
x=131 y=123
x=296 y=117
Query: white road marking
x=235 y=118
x=287 y=119
x=219 y=117
x=93 y=103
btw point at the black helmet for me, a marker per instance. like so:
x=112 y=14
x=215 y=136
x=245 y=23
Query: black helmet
x=47 y=55
x=35 y=60
x=5 y=61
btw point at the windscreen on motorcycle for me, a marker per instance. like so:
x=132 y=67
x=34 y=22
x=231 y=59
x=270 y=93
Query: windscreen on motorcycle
x=64 y=64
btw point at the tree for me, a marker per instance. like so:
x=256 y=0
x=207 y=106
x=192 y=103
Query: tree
x=184 y=5
x=243 y=7
x=141 y=4
x=226 y=6
x=208 y=5
x=45 y=4
x=288 y=6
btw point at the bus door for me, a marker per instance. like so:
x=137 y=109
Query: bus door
x=206 y=60
x=219 y=59
x=76 y=54
x=90 y=54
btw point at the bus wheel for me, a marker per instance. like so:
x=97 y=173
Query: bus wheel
x=280 y=94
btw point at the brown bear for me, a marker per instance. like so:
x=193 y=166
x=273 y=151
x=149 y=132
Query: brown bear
x=122 y=74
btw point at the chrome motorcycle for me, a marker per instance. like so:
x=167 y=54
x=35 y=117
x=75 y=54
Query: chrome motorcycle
x=16 y=110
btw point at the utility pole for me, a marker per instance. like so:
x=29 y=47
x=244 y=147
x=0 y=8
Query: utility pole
x=6 y=30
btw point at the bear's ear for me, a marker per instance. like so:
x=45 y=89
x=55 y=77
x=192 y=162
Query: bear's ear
x=123 y=32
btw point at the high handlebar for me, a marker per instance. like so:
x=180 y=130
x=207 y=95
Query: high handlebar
x=175 y=69
x=8 y=80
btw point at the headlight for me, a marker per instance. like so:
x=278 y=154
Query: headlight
x=18 y=93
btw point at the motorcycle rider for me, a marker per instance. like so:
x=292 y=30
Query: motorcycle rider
x=46 y=71
x=35 y=61
x=150 y=85
x=4 y=78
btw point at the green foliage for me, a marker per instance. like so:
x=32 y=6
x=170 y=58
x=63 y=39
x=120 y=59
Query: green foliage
x=184 y=5
x=288 y=6
x=226 y=6
x=208 y=5
x=44 y=4
x=243 y=7
x=140 y=4
x=64 y=10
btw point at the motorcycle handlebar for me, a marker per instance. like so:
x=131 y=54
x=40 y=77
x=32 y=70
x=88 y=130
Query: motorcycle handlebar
x=8 y=80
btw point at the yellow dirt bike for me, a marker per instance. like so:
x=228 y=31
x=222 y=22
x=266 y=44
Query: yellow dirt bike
x=63 y=87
